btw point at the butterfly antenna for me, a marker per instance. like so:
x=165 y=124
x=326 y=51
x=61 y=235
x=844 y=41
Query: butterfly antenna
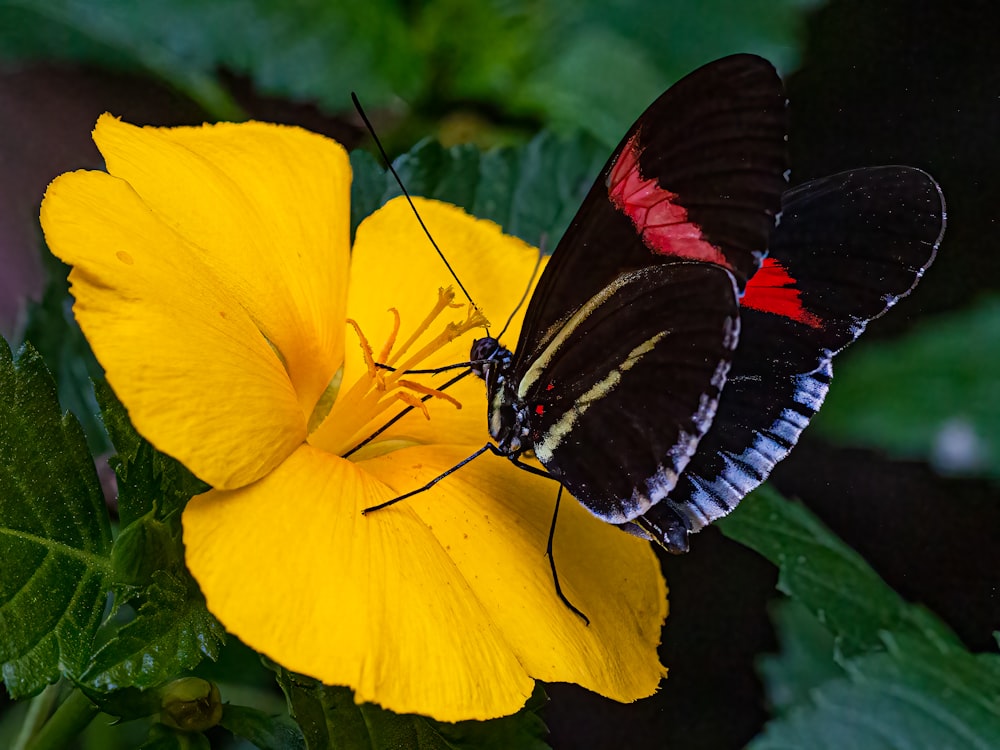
x=527 y=288
x=406 y=194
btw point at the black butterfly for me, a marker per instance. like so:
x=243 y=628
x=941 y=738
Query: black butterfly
x=681 y=336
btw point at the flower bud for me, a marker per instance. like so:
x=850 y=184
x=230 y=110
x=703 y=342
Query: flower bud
x=191 y=704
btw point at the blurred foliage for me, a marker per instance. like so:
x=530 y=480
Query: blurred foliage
x=588 y=65
x=52 y=330
x=934 y=394
x=884 y=674
x=300 y=50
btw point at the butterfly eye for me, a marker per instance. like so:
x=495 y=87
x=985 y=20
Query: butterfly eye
x=483 y=349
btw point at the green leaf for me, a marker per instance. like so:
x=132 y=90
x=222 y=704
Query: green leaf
x=906 y=680
x=929 y=395
x=368 y=186
x=53 y=331
x=316 y=50
x=805 y=659
x=263 y=730
x=914 y=695
x=329 y=717
x=55 y=535
x=145 y=547
x=171 y=633
x=532 y=191
x=149 y=482
x=828 y=577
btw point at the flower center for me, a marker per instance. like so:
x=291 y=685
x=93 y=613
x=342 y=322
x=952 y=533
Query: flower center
x=359 y=410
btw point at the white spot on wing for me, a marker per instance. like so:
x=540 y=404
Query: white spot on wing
x=713 y=498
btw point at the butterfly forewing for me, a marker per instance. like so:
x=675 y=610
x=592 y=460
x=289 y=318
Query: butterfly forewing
x=725 y=157
x=848 y=247
x=698 y=177
x=616 y=411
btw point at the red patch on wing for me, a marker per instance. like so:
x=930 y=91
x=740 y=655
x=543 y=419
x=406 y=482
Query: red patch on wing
x=772 y=290
x=661 y=222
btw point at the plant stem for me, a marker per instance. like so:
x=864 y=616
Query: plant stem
x=71 y=718
x=39 y=709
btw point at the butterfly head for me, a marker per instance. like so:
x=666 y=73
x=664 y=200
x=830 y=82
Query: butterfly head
x=508 y=417
x=487 y=356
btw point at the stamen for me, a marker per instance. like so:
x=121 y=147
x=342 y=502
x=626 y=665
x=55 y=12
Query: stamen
x=427 y=391
x=384 y=354
x=445 y=298
x=452 y=331
x=378 y=389
x=366 y=348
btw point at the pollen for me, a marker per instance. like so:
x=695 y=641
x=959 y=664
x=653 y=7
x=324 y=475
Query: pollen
x=389 y=383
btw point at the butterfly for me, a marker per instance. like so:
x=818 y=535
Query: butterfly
x=682 y=334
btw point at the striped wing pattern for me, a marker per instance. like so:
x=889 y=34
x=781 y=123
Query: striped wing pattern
x=616 y=411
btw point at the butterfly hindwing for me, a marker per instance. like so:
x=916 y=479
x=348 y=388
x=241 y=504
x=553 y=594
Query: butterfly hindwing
x=698 y=177
x=847 y=248
x=621 y=395
x=854 y=243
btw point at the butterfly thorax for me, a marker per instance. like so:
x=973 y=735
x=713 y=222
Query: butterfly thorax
x=508 y=414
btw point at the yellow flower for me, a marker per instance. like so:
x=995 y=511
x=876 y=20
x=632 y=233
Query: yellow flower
x=214 y=279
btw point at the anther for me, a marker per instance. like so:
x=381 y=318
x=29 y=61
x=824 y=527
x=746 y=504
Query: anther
x=410 y=400
x=427 y=391
x=366 y=348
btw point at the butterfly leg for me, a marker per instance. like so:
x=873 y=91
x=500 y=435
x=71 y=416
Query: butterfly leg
x=488 y=447
x=431 y=483
x=552 y=563
x=525 y=467
x=431 y=371
x=552 y=529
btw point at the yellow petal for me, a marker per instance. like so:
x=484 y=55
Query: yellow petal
x=269 y=207
x=291 y=566
x=442 y=605
x=494 y=520
x=394 y=266
x=198 y=378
